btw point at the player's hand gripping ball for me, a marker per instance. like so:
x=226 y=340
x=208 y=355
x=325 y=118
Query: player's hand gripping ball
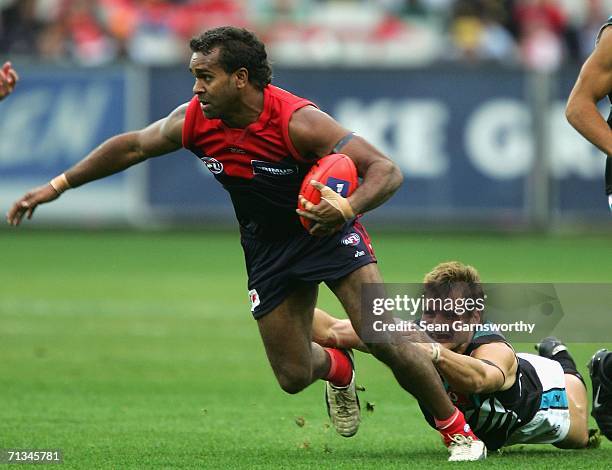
x=338 y=177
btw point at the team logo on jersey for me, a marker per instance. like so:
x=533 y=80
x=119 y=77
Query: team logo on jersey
x=214 y=165
x=352 y=239
x=273 y=169
x=254 y=298
x=340 y=186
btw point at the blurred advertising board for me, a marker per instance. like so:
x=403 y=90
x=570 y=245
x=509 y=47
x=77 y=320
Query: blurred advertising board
x=55 y=117
x=463 y=136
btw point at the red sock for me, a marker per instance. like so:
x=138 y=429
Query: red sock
x=340 y=369
x=454 y=424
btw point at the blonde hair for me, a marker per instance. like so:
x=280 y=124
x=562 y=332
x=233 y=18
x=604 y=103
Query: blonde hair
x=452 y=271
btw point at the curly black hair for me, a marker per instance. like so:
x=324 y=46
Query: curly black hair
x=237 y=48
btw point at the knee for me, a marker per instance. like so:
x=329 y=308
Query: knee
x=576 y=439
x=581 y=441
x=293 y=381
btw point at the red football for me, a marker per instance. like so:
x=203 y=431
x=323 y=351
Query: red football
x=336 y=171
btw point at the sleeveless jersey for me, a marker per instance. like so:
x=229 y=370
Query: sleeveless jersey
x=495 y=416
x=257 y=165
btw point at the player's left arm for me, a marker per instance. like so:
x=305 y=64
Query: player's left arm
x=490 y=368
x=314 y=134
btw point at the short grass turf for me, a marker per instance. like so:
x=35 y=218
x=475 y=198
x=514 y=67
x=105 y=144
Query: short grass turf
x=137 y=350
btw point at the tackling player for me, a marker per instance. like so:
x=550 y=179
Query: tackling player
x=259 y=141
x=507 y=398
x=592 y=85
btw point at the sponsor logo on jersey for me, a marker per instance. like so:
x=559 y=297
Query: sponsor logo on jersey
x=359 y=253
x=352 y=239
x=272 y=169
x=214 y=165
x=340 y=186
x=254 y=298
x=236 y=150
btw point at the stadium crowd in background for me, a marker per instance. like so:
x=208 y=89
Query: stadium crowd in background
x=537 y=33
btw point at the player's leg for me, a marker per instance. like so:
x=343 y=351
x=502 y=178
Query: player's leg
x=283 y=286
x=600 y=370
x=286 y=334
x=578 y=434
x=297 y=361
x=412 y=368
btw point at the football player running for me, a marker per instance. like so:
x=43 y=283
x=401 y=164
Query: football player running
x=241 y=126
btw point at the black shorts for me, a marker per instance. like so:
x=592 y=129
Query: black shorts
x=276 y=268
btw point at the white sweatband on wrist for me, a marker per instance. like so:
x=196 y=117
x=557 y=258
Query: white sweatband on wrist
x=435 y=352
x=60 y=183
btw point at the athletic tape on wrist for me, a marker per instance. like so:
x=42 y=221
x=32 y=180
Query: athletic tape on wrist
x=338 y=202
x=341 y=205
x=435 y=352
x=60 y=183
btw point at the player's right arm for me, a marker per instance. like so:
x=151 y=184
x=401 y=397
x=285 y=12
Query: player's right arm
x=490 y=368
x=112 y=156
x=593 y=84
x=314 y=134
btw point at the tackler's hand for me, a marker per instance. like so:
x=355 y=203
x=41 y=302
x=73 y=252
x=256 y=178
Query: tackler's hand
x=327 y=216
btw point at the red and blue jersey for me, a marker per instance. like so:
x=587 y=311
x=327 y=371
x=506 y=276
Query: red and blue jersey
x=257 y=165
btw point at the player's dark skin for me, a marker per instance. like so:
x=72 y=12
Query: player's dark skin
x=592 y=85
x=286 y=330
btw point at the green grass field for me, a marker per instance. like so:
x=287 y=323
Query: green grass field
x=137 y=350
